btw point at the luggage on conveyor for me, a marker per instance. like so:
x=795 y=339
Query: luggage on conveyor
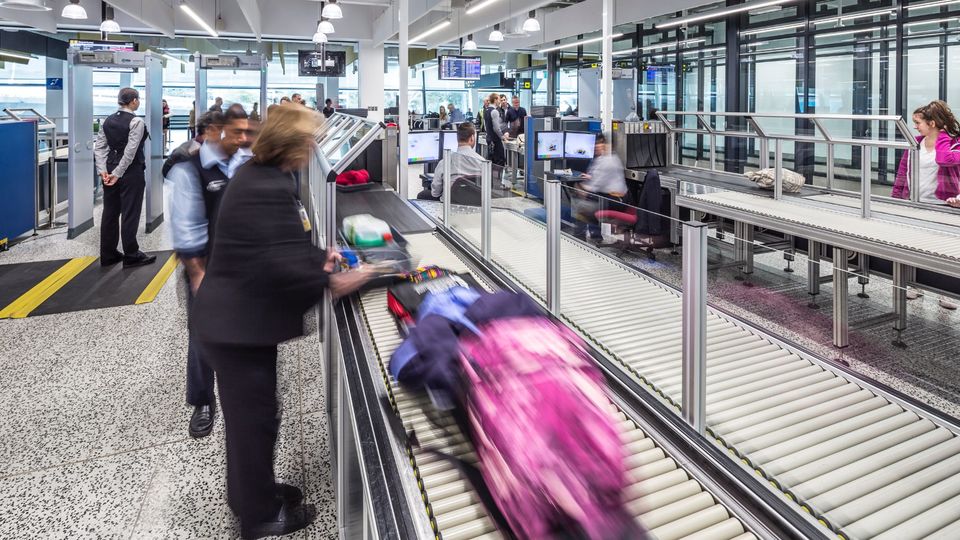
x=374 y=242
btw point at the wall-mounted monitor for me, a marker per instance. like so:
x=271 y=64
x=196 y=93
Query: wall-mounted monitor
x=459 y=68
x=578 y=145
x=549 y=145
x=95 y=45
x=423 y=147
x=450 y=140
x=313 y=63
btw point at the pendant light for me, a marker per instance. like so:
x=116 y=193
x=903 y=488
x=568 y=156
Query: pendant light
x=74 y=10
x=332 y=10
x=470 y=45
x=325 y=26
x=319 y=37
x=531 y=24
x=496 y=34
x=109 y=26
x=26 y=5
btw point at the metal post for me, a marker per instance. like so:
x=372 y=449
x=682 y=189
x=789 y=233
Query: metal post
x=914 y=174
x=866 y=172
x=552 y=201
x=446 y=188
x=830 y=170
x=486 y=185
x=900 y=296
x=671 y=148
x=778 y=170
x=403 y=123
x=713 y=152
x=841 y=326
x=764 y=154
x=694 y=372
x=606 y=67
x=813 y=271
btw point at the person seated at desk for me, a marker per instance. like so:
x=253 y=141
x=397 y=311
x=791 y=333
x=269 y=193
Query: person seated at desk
x=467 y=162
x=602 y=184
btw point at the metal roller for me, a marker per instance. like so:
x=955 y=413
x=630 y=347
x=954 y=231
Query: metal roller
x=923 y=524
x=906 y=508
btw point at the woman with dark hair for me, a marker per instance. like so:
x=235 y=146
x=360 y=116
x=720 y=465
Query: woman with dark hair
x=262 y=276
x=939 y=153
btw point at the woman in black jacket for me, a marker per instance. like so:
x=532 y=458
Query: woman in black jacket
x=263 y=275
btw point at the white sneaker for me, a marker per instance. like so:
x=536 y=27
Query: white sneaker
x=947 y=304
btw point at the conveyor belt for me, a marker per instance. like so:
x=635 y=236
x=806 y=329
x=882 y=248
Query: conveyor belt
x=864 y=465
x=664 y=497
x=903 y=236
x=944 y=216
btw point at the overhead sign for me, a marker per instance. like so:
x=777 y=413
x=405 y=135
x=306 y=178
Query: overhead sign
x=525 y=84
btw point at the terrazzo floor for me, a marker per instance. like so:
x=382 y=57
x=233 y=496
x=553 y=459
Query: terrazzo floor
x=93 y=421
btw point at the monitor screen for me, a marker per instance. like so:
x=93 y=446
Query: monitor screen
x=459 y=68
x=88 y=45
x=313 y=63
x=423 y=147
x=577 y=145
x=450 y=140
x=549 y=145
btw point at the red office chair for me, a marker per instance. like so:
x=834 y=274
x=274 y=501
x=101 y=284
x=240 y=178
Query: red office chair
x=642 y=233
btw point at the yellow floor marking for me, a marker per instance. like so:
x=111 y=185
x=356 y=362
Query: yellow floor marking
x=153 y=289
x=30 y=300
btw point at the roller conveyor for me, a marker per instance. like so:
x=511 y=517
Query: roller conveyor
x=664 y=497
x=846 y=454
x=945 y=217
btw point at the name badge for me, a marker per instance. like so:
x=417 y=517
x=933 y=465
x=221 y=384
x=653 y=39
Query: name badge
x=304 y=219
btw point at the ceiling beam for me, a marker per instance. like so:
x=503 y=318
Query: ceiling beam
x=41 y=20
x=155 y=14
x=251 y=12
x=387 y=25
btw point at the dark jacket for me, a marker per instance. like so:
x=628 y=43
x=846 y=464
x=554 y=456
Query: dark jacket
x=179 y=155
x=264 y=272
x=650 y=199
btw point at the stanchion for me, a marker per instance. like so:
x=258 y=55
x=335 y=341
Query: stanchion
x=446 y=188
x=694 y=329
x=552 y=203
x=486 y=185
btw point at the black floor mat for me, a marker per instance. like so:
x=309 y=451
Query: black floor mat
x=98 y=287
x=16 y=279
x=385 y=205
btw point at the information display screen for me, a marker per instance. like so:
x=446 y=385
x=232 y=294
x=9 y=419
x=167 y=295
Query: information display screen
x=92 y=45
x=313 y=63
x=577 y=145
x=549 y=145
x=459 y=68
x=450 y=141
x=423 y=147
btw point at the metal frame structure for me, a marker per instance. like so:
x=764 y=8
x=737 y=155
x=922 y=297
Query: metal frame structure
x=49 y=129
x=228 y=62
x=80 y=162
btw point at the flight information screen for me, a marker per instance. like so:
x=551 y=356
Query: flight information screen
x=459 y=68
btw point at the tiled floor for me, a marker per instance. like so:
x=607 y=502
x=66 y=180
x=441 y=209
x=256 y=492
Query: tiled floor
x=94 y=426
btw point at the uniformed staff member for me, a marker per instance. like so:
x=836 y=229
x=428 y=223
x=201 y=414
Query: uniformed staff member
x=263 y=275
x=121 y=163
x=198 y=184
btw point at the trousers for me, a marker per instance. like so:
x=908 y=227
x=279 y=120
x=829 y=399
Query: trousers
x=122 y=205
x=247 y=385
x=200 y=379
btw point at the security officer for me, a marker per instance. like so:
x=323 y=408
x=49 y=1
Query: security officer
x=198 y=185
x=120 y=160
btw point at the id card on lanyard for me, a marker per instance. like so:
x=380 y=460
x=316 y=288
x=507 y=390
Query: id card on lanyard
x=304 y=218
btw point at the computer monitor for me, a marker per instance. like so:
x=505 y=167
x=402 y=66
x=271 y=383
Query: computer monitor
x=449 y=141
x=578 y=145
x=549 y=145
x=423 y=147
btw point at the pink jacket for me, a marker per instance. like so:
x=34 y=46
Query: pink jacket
x=948 y=177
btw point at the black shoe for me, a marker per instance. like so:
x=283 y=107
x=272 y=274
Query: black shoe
x=290 y=494
x=201 y=423
x=140 y=259
x=110 y=260
x=289 y=519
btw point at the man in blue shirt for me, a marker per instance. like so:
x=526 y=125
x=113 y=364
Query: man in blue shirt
x=198 y=184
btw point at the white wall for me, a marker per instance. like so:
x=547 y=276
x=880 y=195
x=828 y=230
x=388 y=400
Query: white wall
x=371 y=79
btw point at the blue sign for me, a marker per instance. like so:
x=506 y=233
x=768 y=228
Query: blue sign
x=54 y=83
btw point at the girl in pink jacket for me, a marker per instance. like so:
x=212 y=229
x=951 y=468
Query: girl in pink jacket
x=939 y=157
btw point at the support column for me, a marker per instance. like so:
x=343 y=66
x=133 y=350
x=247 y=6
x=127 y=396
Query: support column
x=900 y=274
x=403 y=119
x=56 y=69
x=694 y=328
x=813 y=273
x=371 y=80
x=606 y=68
x=841 y=322
x=332 y=87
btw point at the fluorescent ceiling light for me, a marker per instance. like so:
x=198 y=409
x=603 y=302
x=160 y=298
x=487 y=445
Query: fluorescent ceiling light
x=477 y=5
x=203 y=24
x=74 y=10
x=720 y=13
x=332 y=10
x=430 y=32
x=708 y=50
x=693 y=41
x=531 y=24
x=844 y=33
x=937 y=21
x=26 y=5
x=855 y=16
x=769 y=29
x=326 y=27
x=11 y=54
x=577 y=43
x=932 y=4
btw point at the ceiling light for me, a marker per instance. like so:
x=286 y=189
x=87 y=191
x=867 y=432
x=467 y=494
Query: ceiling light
x=319 y=37
x=332 y=10
x=203 y=24
x=855 y=16
x=576 y=43
x=531 y=24
x=74 y=10
x=109 y=26
x=477 y=5
x=937 y=21
x=325 y=26
x=720 y=13
x=470 y=45
x=430 y=32
x=932 y=4
x=19 y=55
x=26 y=5
x=693 y=41
x=769 y=29
x=496 y=34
